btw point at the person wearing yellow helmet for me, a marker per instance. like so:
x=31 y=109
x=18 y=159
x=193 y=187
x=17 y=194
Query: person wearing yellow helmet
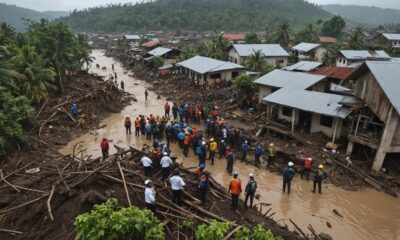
x=213 y=150
x=319 y=176
x=271 y=154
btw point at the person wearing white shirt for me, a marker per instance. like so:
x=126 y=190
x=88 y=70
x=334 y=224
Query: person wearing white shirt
x=165 y=163
x=147 y=164
x=150 y=196
x=177 y=185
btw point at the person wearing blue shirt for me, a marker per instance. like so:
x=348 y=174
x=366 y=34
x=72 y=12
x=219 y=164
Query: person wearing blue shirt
x=257 y=153
x=288 y=174
x=245 y=148
x=74 y=110
x=181 y=137
x=148 y=131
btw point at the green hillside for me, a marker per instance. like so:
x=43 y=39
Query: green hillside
x=13 y=15
x=227 y=15
x=372 y=16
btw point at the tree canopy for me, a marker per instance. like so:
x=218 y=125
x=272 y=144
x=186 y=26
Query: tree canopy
x=333 y=27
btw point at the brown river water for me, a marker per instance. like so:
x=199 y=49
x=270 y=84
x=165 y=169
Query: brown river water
x=367 y=214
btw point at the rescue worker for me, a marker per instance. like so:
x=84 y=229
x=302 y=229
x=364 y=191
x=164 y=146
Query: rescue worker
x=306 y=168
x=122 y=85
x=203 y=180
x=186 y=143
x=175 y=111
x=230 y=158
x=137 y=127
x=235 y=189
x=181 y=139
x=222 y=149
x=271 y=154
x=165 y=163
x=148 y=130
x=150 y=195
x=146 y=94
x=250 y=190
x=167 y=109
x=245 y=148
x=258 y=153
x=104 y=147
x=203 y=152
x=177 y=185
x=74 y=110
x=288 y=174
x=147 y=164
x=127 y=125
x=319 y=176
x=213 y=150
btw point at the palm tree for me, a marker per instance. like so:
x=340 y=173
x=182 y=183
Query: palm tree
x=217 y=47
x=7 y=33
x=256 y=63
x=307 y=34
x=356 y=40
x=39 y=80
x=8 y=76
x=283 y=34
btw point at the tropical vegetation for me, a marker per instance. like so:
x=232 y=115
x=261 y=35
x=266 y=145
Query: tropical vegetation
x=33 y=65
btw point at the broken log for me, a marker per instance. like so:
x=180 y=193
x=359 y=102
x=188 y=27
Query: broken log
x=49 y=203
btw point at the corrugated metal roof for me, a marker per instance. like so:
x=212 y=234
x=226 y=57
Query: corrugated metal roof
x=269 y=50
x=288 y=79
x=304 y=66
x=235 y=36
x=159 y=51
x=387 y=74
x=305 y=47
x=341 y=73
x=333 y=87
x=203 y=65
x=132 y=37
x=327 y=40
x=310 y=101
x=364 y=54
x=151 y=43
x=392 y=36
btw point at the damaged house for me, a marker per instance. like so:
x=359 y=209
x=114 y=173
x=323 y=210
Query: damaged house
x=300 y=99
x=377 y=126
x=309 y=51
x=208 y=70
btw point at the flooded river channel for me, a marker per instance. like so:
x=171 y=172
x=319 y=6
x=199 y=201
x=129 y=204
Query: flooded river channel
x=367 y=214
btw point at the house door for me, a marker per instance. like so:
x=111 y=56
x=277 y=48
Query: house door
x=305 y=121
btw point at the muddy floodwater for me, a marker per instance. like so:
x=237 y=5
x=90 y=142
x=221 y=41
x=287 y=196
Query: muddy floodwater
x=367 y=214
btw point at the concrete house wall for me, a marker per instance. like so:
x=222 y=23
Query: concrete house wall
x=327 y=131
x=319 y=53
x=263 y=92
x=235 y=58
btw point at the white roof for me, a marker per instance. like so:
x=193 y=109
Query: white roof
x=305 y=47
x=132 y=37
x=392 y=36
x=311 y=101
x=289 y=80
x=364 y=54
x=304 y=66
x=387 y=75
x=203 y=65
x=269 y=50
x=159 y=51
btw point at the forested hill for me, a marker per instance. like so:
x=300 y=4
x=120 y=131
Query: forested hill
x=372 y=16
x=13 y=15
x=228 y=15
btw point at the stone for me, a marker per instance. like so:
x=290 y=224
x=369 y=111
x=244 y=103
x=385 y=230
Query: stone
x=325 y=236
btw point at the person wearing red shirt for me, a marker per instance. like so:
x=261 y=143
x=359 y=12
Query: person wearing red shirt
x=104 y=147
x=307 y=168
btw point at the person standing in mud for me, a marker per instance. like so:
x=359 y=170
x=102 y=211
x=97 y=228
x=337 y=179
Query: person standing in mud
x=147 y=165
x=74 y=110
x=148 y=130
x=142 y=125
x=230 y=159
x=122 y=85
x=235 y=189
x=167 y=109
x=146 y=94
x=181 y=139
x=319 y=176
x=203 y=182
x=137 y=127
x=258 y=153
x=127 y=125
x=175 y=111
x=245 y=148
x=222 y=149
x=177 y=185
x=288 y=174
x=186 y=144
x=104 y=147
x=271 y=154
x=213 y=150
x=250 y=190
x=150 y=196
x=306 y=168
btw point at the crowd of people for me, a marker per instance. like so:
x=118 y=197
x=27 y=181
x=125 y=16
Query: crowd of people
x=214 y=139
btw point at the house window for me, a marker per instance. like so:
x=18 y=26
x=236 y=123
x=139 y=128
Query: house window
x=286 y=111
x=279 y=62
x=235 y=74
x=326 y=121
x=215 y=76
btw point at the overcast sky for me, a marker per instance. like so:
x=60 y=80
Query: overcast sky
x=42 y=5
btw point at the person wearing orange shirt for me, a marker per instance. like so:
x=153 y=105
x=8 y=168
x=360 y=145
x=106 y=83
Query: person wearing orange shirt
x=235 y=188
